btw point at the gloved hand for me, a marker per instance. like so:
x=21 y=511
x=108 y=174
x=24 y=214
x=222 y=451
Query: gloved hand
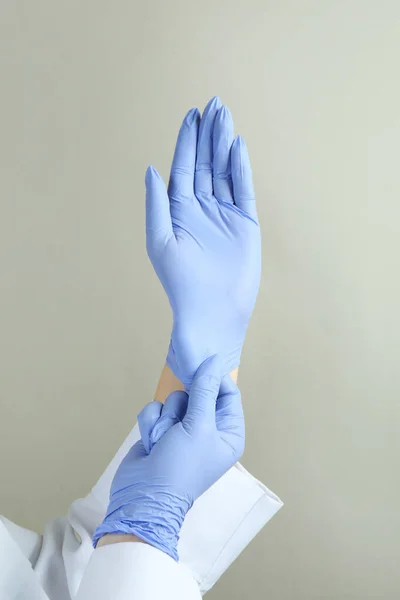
x=194 y=440
x=203 y=239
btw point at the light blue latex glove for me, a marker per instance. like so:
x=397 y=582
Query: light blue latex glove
x=194 y=440
x=203 y=239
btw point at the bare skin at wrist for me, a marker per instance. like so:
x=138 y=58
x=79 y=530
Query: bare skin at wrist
x=169 y=383
x=117 y=538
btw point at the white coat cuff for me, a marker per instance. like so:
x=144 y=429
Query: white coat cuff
x=135 y=571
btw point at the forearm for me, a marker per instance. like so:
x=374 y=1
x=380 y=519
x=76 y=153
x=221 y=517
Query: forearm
x=167 y=384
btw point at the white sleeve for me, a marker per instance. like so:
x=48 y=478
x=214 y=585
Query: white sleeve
x=135 y=571
x=220 y=525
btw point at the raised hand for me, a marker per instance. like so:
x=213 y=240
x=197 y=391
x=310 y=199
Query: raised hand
x=203 y=239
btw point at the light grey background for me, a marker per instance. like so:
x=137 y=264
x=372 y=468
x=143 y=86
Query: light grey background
x=91 y=92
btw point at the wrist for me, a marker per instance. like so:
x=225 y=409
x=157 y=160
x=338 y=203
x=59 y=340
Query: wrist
x=187 y=351
x=155 y=518
x=117 y=538
x=172 y=380
x=167 y=384
x=160 y=537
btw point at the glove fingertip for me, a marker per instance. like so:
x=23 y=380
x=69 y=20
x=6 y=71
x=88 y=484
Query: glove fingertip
x=151 y=175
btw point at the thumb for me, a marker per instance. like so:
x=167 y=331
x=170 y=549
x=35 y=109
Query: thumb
x=173 y=412
x=158 y=216
x=229 y=403
x=147 y=420
x=203 y=393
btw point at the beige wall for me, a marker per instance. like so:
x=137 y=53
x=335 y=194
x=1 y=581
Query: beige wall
x=93 y=91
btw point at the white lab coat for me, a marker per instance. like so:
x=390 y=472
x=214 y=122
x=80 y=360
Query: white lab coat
x=62 y=561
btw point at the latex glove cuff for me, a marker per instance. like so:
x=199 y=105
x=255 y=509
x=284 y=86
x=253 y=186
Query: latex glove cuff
x=155 y=517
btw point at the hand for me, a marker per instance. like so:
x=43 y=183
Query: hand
x=186 y=446
x=203 y=239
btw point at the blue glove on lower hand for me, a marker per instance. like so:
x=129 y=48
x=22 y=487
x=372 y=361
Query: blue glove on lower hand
x=194 y=440
x=203 y=240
